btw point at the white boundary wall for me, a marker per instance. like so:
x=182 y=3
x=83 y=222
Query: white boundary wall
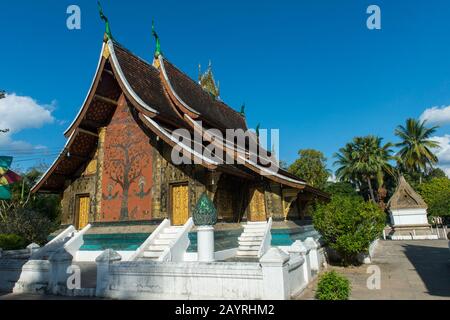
x=277 y=275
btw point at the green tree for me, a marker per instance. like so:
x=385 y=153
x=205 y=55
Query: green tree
x=341 y=188
x=364 y=160
x=31 y=216
x=415 y=154
x=349 y=225
x=415 y=179
x=311 y=167
x=436 y=194
x=434 y=173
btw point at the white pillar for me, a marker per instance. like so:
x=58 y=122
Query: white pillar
x=297 y=248
x=59 y=262
x=275 y=271
x=205 y=243
x=104 y=262
x=33 y=248
x=312 y=245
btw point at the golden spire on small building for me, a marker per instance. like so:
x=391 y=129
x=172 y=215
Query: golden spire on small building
x=206 y=80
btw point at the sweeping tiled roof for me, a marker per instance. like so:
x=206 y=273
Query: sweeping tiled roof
x=145 y=81
x=214 y=111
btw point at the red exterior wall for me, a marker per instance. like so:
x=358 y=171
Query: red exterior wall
x=127 y=169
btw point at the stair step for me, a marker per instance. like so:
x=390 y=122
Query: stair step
x=253 y=234
x=167 y=236
x=151 y=254
x=250 y=243
x=162 y=242
x=256 y=222
x=153 y=247
x=255 y=226
x=250 y=238
x=171 y=230
x=249 y=248
x=247 y=253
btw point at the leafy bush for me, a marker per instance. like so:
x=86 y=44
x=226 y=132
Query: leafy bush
x=341 y=189
x=349 y=225
x=32 y=226
x=333 y=286
x=436 y=194
x=11 y=242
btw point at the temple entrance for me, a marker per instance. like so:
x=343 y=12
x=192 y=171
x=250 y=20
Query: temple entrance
x=180 y=204
x=83 y=208
x=257 y=206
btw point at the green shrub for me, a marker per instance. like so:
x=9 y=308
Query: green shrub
x=349 y=225
x=11 y=242
x=333 y=286
x=32 y=226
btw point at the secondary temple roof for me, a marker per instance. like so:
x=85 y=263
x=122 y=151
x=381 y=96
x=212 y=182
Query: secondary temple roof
x=164 y=99
x=405 y=197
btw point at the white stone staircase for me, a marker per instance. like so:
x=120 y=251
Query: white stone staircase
x=162 y=242
x=70 y=239
x=253 y=238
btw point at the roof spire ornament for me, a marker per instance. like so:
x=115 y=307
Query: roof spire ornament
x=257 y=129
x=206 y=80
x=158 y=43
x=105 y=19
x=243 y=110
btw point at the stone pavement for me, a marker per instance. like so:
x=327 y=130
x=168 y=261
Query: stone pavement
x=410 y=270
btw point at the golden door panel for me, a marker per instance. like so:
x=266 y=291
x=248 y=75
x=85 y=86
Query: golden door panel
x=84 y=204
x=180 y=204
x=257 y=206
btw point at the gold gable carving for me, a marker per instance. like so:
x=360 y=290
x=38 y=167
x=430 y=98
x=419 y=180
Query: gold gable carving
x=406 y=198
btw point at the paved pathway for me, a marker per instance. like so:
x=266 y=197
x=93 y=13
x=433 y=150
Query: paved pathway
x=410 y=270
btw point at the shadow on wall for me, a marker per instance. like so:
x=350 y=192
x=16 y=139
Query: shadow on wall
x=433 y=266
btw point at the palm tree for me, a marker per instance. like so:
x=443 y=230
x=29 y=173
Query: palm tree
x=415 y=154
x=364 y=159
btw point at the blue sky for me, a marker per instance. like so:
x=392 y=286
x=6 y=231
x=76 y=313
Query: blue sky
x=310 y=68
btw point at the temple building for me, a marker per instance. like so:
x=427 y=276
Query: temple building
x=116 y=171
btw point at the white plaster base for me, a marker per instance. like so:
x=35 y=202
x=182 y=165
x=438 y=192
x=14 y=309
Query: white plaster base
x=205 y=243
x=405 y=217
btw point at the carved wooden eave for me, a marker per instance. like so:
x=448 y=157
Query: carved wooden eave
x=68 y=162
x=406 y=198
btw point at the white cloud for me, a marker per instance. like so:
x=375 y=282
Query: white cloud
x=437 y=115
x=443 y=153
x=332 y=178
x=18 y=113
